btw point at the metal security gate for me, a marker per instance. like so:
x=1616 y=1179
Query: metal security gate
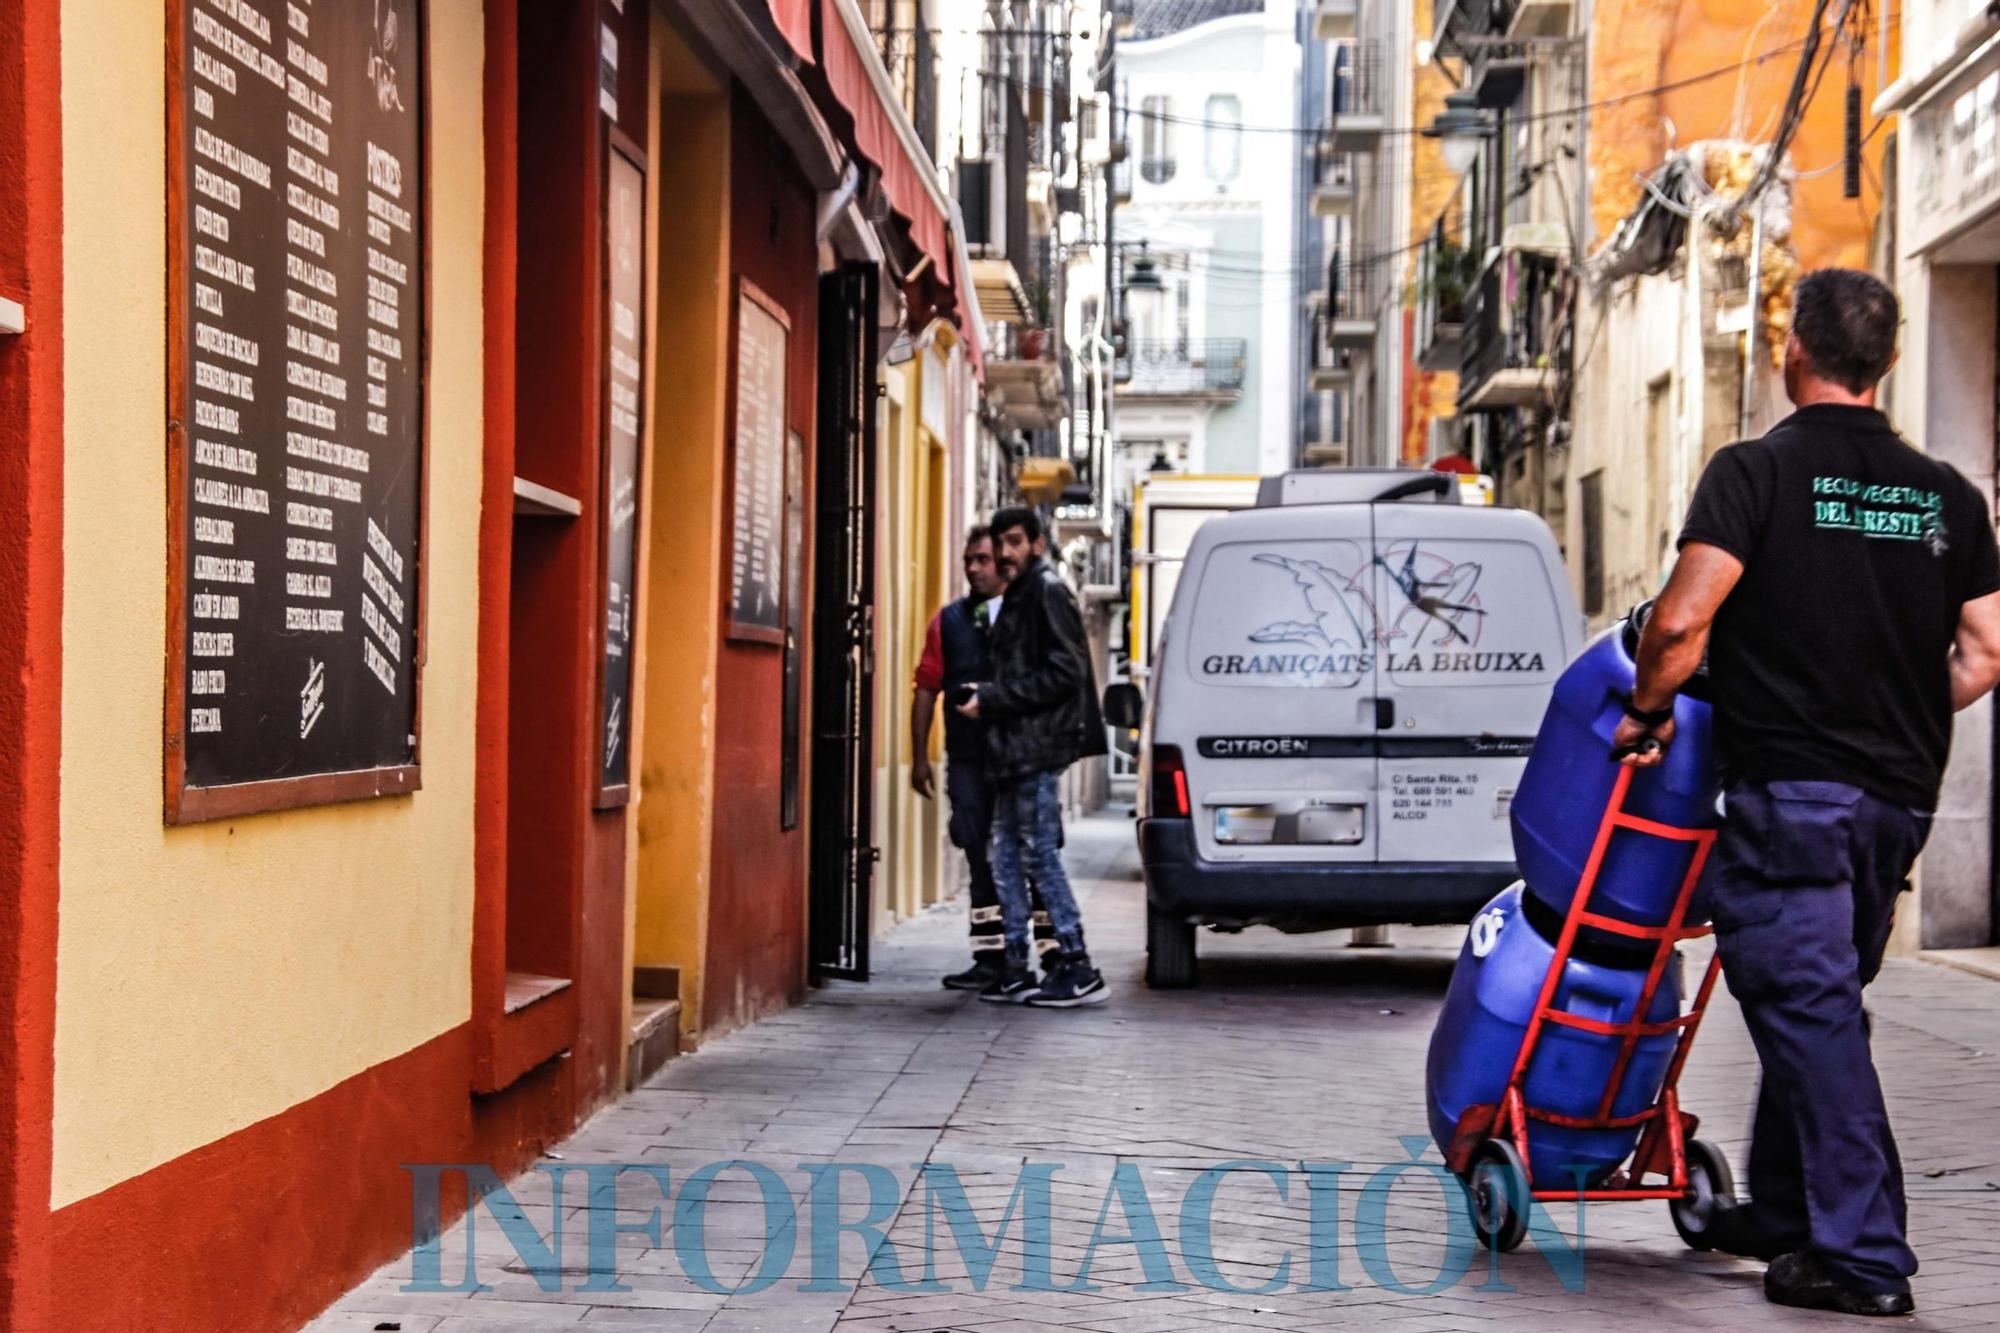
x=842 y=865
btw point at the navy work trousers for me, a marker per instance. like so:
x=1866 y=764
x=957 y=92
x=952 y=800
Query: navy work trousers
x=1802 y=887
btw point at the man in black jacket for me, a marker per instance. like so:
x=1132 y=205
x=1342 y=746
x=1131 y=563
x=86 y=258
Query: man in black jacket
x=1041 y=716
x=957 y=653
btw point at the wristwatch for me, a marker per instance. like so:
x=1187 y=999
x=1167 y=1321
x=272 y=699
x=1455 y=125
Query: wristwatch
x=1645 y=718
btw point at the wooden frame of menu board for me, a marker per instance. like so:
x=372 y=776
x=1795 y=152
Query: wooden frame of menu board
x=757 y=467
x=233 y=52
x=621 y=460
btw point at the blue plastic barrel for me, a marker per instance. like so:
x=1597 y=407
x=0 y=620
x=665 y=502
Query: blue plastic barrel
x=1485 y=1019
x=1568 y=780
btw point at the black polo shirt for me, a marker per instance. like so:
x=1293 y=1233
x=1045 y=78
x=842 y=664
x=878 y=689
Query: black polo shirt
x=1830 y=659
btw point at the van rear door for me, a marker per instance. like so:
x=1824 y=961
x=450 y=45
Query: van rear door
x=1270 y=690
x=1475 y=620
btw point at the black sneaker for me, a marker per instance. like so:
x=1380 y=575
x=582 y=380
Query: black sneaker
x=1072 y=984
x=983 y=973
x=1011 y=987
x=1798 y=1280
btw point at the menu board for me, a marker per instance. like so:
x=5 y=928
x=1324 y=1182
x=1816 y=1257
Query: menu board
x=625 y=260
x=756 y=569
x=296 y=412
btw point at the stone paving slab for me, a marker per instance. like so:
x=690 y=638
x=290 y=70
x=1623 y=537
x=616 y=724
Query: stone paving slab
x=1294 y=1051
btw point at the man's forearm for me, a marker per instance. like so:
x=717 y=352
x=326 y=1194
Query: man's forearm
x=923 y=706
x=1669 y=655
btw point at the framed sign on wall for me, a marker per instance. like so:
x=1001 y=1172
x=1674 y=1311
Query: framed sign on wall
x=297 y=298
x=624 y=381
x=756 y=559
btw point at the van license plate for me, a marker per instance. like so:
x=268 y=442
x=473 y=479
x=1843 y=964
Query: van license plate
x=1246 y=825
x=1265 y=825
x=1339 y=824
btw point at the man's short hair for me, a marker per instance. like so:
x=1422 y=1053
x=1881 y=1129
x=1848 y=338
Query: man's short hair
x=1017 y=516
x=976 y=534
x=1846 y=322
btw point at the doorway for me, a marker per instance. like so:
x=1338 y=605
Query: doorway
x=842 y=852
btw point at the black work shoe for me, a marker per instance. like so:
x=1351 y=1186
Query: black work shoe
x=1072 y=983
x=1011 y=986
x=1797 y=1279
x=1732 y=1229
x=983 y=973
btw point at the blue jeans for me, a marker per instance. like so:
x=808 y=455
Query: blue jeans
x=1802 y=887
x=1027 y=845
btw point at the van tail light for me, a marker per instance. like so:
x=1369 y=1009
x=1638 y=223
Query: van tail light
x=1170 y=786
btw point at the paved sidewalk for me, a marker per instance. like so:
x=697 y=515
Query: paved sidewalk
x=1294 y=1050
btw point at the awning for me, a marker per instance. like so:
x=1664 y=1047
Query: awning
x=794 y=20
x=858 y=100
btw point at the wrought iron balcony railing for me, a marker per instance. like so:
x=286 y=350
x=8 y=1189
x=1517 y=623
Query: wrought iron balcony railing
x=910 y=55
x=1446 y=270
x=1511 y=351
x=1360 y=81
x=1183 y=368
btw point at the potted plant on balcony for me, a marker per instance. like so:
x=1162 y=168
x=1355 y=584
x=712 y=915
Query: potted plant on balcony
x=1447 y=282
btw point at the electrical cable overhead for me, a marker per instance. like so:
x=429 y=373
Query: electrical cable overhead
x=1554 y=113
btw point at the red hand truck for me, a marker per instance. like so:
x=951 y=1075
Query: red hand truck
x=1489 y=1148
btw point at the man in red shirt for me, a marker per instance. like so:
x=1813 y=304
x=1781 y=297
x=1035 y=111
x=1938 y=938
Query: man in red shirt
x=955 y=657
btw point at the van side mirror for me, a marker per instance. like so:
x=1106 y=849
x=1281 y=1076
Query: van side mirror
x=1124 y=706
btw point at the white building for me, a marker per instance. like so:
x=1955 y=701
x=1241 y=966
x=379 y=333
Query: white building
x=1209 y=91
x=1943 y=250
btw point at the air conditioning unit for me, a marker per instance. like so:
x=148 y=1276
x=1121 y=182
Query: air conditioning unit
x=1326 y=454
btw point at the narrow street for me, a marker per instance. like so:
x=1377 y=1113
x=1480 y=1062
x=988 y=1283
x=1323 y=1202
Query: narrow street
x=1294 y=1050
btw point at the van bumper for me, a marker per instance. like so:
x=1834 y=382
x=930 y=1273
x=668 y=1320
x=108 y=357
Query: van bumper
x=1310 y=895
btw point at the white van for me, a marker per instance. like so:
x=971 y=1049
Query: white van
x=1348 y=682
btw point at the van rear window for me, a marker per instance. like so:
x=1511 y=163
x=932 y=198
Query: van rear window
x=1329 y=614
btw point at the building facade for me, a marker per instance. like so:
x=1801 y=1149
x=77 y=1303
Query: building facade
x=1207 y=379
x=451 y=471
x=1942 y=245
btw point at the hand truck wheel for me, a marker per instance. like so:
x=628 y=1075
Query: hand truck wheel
x=1496 y=1194
x=1709 y=1184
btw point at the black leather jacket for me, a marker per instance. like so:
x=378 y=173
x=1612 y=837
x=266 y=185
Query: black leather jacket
x=1041 y=707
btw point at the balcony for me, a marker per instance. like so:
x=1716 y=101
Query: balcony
x=1539 y=18
x=1462 y=25
x=1446 y=271
x=1358 y=108
x=1024 y=383
x=1335 y=20
x=1210 y=371
x=910 y=57
x=1510 y=354
x=1333 y=193
x=1332 y=369
x=1351 y=303
x=1498 y=74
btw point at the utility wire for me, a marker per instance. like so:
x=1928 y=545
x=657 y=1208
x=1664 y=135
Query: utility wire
x=1554 y=113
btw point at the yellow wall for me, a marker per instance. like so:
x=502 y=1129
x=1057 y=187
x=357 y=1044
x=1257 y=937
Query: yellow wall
x=683 y=578
x=916 y=578
x=213 y=975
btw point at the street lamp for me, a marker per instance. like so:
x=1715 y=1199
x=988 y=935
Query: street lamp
x=1461 y=130
x=1144 y=292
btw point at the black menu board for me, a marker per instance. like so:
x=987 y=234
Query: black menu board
x=756 y=560
x=296 y=413
x=625 y=259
